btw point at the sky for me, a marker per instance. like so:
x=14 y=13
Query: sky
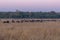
x=30 y=5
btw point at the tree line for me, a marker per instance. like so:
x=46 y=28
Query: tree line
x=51 y=14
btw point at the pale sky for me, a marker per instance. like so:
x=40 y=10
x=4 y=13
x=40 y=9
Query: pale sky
x=30 y=5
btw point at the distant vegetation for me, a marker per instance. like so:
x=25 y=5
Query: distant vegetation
x=19 y=14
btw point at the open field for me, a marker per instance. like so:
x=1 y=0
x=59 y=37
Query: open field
x=30 y=31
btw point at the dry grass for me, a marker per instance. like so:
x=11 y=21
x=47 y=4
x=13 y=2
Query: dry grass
x=30 y=31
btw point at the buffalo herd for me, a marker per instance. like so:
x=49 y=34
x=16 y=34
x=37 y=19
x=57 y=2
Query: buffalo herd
x=22 y=21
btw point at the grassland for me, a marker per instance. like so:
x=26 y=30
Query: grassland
x=30 y=31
